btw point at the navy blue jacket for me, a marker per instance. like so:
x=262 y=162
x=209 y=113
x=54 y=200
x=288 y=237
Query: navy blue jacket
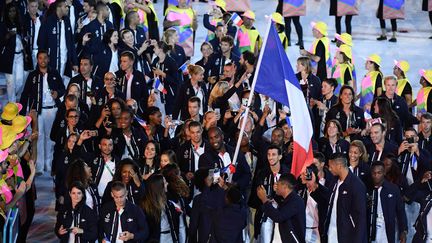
x=87 y=221
x=351 y=211
x=96 y=85
x=423 y=164
x=342 y=146
x=31 y=97
x=228 y=224
x=422 y=194
x=242 y=177
x=137 y=142
x=97 y=30
x=200 y=217
x=291 y=217
x=49 y=39
x=132 y=220
x=389 y=148
x=139 y=35
x=400 y=106
x=393 y=209
x=185 y=92
x=357 y=118
x=7 y=48
x=425 y=143
x=102 y=59
x=139 y=90
x=218 y=62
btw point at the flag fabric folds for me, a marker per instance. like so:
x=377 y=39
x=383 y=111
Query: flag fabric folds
x=276 y=79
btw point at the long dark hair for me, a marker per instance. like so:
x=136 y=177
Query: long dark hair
x=107 y=36
x=176 y=184
x=76 y=172
x=339 y=103
x=154 y=199
x=385 y=111
x=15 y=22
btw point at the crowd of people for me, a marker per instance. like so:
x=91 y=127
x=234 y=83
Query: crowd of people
x=140 y=142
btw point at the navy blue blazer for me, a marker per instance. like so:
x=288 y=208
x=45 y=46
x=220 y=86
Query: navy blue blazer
x=97 y=30
x=132 y=220
x=351 y=211
x=96 y=85
x=139 y=90
x=102 y=59
x=228 y=224
x=139 y=35
x=393 y=209
x=31 y=97
x=185 y=92
x=49 y=39
x=87 y=221
x=291 y=217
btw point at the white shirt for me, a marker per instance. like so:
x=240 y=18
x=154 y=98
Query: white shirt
x=381 y=235
x=47 y=99
x=126 y=153
x=71 y=235
x=225 y=158
x=89 y=84
x=199 y=94
x=332 y=231
x=312 y=219
x=89 y=199
x=129 y=87
x=429 y=228
x=114 y=62
x=18 y=47
x=106 y=176
x=119 y=229
x=63 y=47
x=72 y=17
x=36 y=33
x=197 y=154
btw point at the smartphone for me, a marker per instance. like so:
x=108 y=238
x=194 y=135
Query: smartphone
x=308 y=174
x=234 y=113
x=217 y=111
x=93 y=133
x=216 y=175
x=244 y=101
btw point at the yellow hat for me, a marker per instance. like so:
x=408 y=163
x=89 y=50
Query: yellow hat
x=249 y=14
x=374 y=58
x=346 y=50
x=10 y=111
x=427 y=74
x=320 y=26
x=345 y=38
x=221 y=4
x=277 y=18
x=19 y=123
x=7 y=138
x=402 y=65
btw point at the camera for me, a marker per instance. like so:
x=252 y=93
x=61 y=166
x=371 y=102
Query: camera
x=89 y=94
x=410 y=140
x=308 y=176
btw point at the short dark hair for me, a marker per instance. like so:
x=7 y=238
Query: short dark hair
x=377 y=163
x=410 y=129
x=319 y=156
x=195 y=99
x=339 y=158
x=72 y=110
x=288 y=179
x=41 y=51
x=383 y=128
x=228 y=39
x=194 y=124
x=91 y=3
x=427 y=116
x=272 y=146
x=86 y=57
x=128 y=54
x=107 y=137
x=118 y=186
x=249 y=57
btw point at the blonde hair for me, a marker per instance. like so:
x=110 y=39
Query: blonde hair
x=168 y=34
x=218 y=90
x=194 y=69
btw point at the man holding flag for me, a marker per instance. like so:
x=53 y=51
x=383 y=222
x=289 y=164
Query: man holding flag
x=276 y=79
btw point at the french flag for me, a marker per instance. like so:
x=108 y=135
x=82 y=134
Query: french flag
x=141 y=122
x=276 y=79
x=236 y=19
x=159 y=86
x=183 y=68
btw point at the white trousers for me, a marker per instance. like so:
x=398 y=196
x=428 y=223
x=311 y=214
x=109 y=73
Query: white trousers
x=15 y=81
x=412 y=211
x=45 y=147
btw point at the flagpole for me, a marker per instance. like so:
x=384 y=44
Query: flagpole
x=245 y=117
